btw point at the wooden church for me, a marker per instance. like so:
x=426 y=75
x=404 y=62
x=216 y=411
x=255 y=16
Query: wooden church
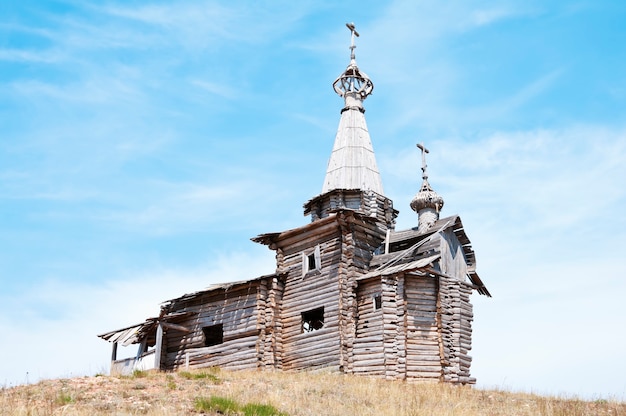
x=349 y=294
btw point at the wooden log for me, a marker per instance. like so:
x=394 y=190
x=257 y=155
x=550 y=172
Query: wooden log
x=158 y=347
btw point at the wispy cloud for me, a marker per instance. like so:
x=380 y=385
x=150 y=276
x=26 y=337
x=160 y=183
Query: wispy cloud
x=222 y=90
x=539 y=174
x=21 y=55
x=141 y=137
x=487 y=16
x=67 y=316
x=163 y=208
x=543 y=210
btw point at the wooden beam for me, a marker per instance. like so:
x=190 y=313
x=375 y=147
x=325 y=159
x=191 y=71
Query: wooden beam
x=176 y=327
x=158 y=347
x=143 y=346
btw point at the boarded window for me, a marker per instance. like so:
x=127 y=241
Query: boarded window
x=213 y=335
x=313 y=320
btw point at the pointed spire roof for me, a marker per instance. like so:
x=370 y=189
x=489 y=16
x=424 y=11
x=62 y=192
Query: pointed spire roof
x=352 y=164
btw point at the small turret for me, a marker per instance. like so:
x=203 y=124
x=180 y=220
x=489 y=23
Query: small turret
x=427 y=203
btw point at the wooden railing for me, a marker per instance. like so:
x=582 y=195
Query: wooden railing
x=127 y=366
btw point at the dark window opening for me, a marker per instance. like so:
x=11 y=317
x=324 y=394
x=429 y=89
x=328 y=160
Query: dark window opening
x=378 y=302
x=311 y=260
x=313 y=320
x=213 y=335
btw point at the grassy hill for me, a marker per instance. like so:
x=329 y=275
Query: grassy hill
x=276 y=393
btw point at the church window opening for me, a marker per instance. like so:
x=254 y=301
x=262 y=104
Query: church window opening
x=313 y=320
x=213 y=335
x=377 y=302
x=311 y=261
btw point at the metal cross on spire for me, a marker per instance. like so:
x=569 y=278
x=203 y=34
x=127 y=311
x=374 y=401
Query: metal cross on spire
x=353 y=33
x=424 y=165
x=353 y=81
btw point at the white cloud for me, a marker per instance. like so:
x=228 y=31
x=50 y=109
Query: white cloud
x=165 y=207
x=55 y=324
x=553 y=177
x=199 y=25
x=543 y=209
x=551 y=326
x=119 y=122
x=485 y=17
x=21 y=55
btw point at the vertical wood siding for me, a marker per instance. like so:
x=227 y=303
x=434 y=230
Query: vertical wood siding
x=453 y=261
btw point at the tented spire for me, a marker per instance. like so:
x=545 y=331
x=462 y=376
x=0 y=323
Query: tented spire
x=352 y=164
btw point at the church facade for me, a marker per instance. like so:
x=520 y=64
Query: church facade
x=349 y=294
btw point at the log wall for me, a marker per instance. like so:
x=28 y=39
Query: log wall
x=420 y=330
x=456 y=329
x=302 y=293
x=270 y=336
x=359 y=241
x=423 y=340
x=368 y=351
x=237 y=309
x=394 y=326
x=366 y=202
x=456 y=311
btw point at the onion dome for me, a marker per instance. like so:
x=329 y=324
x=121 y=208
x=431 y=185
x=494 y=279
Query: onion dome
x=427 y=203
x=426 y=198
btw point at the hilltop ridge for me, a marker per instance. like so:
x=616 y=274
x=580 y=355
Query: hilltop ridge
x=212 y=391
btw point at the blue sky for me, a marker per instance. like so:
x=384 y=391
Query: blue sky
x=142 y=144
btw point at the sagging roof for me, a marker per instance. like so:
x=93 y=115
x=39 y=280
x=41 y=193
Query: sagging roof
x=168 y=304
x=137 y=333
x=412 y=250
x=401 y=267
x=146 y=330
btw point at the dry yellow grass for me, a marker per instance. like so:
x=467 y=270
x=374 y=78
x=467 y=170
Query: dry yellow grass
x=291 y=393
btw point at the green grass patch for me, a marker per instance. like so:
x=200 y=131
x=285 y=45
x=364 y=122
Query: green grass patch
x=201 y=375
x=64 y=398
x=254 y=409
x=217 y=404
x=225 y=406
x=171 y=384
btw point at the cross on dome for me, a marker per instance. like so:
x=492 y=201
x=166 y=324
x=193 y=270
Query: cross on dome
x=427 y=203
x=424 y=165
